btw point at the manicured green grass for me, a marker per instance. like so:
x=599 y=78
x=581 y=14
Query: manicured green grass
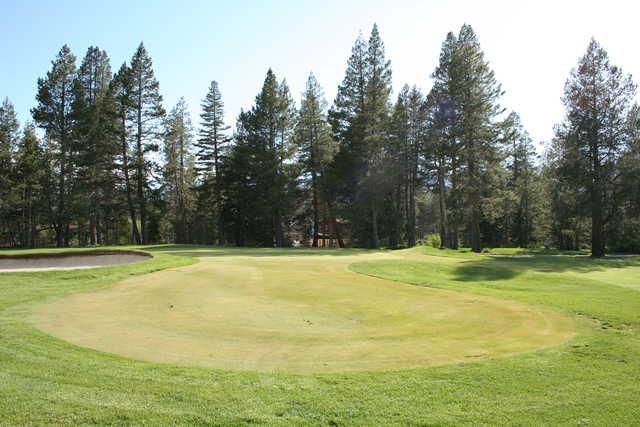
x=591 y=379
x=290 y=313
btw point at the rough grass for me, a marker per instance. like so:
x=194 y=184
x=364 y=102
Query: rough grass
x=590 y=380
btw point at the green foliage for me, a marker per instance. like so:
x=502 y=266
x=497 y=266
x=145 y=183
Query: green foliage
x=597 y=131
x=146 y=113
x=261 y=164
x=433 y=240
x=9 y=129
x=360 y=119
x=179 y=175
x=365 y=173
x=54 y=114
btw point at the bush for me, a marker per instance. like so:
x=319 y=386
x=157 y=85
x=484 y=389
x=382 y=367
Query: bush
x=433 y=240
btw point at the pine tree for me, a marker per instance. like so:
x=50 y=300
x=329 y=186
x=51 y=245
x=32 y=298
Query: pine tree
x=440 y=145
x=407 y=134
x=29 y=174
x=598 y=98
x=286 y=170
x=212 y=146
x=261 y=164
x=9 y=129
x=521 y=186
x=360 y=121
x=147 y=120
x=179 y=173
x=96 y=139
x=376 y=132
x=346 y=117
x=476 y=91
x=122 y=92
x=317 y=148
x=54 y=114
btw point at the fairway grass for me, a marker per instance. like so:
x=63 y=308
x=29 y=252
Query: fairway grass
x=590 y=379
x=296 y=314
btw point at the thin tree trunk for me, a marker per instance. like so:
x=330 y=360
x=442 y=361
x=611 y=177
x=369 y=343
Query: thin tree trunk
x=334 y=222
x=140 y=168
x=597 y=217
x=127 y=181
x=445 y=241
x=315 y=210
x=375 y=240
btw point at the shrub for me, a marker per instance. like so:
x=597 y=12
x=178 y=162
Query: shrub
x=433 y=240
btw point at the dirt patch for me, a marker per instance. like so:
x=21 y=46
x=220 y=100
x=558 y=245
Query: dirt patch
x=68 y=261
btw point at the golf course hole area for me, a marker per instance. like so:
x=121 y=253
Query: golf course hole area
x=67 y=260
x=295 y=314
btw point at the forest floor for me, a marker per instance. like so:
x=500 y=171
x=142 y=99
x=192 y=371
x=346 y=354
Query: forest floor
x=199 y=335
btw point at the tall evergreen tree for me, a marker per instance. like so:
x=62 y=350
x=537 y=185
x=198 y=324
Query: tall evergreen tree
x=598 y=98
x=261 y=163
x=96 y=139
x=317 y=148
x=346 y=117
x=212 y=146
x=476 y=91
x=440 y=145
x=29 y=174
x=179 y=173
x=408 y=122
x=122 y=92
x=360 y=120
x=376 y=131
x=54 y=114
x=9 y=129
x=147 y=114
x=521 y=184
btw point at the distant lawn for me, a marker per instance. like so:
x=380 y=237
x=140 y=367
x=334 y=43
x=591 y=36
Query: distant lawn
x=592 y=379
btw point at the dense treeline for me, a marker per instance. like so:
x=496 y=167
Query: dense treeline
x=109 y=165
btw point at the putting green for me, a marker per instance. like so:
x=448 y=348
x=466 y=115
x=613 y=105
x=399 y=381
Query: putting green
x=297 y=314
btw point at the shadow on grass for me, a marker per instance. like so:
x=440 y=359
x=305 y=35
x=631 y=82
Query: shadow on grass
x=508 y=268
x=483 y=271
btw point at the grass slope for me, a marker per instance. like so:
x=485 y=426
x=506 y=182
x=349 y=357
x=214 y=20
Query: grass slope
x=590 y=380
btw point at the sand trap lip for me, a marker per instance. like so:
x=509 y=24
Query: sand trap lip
x=67 y=260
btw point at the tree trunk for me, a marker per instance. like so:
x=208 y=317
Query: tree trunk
x=315 y=207
x=411 y=214
x=218 y=191
x=597 y=226
x=375 y=240
x=334 y=222
x=140 y=192
x=127 y=181
x=597 y=217
x=476 y=245
x=445 y=240
x=140 y=171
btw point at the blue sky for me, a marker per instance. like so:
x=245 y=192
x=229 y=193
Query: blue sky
x=532 y=47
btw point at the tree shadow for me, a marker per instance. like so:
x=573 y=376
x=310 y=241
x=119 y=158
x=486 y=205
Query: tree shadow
x=503 y=268
x=483 y=271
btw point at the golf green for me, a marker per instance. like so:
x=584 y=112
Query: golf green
x=299 y=314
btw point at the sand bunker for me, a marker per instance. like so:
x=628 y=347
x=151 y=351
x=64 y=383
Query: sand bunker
x=68 y=261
